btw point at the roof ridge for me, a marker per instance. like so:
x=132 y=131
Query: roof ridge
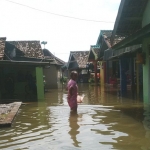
x=25 y=41
x=80 y=51
x=58 y=59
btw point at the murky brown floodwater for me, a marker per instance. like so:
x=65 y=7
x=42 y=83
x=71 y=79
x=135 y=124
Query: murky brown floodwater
x=103 y=122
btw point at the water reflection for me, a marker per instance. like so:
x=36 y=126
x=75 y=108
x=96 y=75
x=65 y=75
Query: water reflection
x=146 y=121
x=74 y=127
x=102 y=122
x=146 y=124
x=29 y=129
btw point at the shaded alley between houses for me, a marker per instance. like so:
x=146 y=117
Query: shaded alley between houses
x=103 y=121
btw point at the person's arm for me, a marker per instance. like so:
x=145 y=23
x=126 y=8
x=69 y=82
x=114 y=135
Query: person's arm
x=71 y=91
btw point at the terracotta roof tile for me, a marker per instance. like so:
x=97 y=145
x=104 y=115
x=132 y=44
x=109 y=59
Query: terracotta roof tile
x=107 y=34
x=81 y=57
x=95 y=48
x=49 y=55
x=117 y=39
x=30 y=48
x=2 y=47
x=96 y=51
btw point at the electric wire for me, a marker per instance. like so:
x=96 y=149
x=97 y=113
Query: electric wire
x=66 y=16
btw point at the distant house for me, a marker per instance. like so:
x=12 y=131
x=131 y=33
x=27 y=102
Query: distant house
x=78 y=61
x=52 y=73
x=106 y=67
x=21 y=70
x=31 y=49
x=104 y=42
x=93 y=61
x=93 y=54
x=132 y=52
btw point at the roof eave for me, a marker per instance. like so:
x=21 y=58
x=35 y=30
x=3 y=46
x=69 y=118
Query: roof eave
x=117 y=20
x=134 y=38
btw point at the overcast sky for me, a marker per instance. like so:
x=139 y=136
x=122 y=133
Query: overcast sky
x=63 y=34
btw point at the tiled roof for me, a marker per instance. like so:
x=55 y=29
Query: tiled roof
x=95 y=48
x=117 y=39
x=107 y=35
x=49 y=55
x=2 y=47
x=29 y=48
x=94 y=51
x=81 y=57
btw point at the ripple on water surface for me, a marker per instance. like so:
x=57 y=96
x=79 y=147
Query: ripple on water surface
x=43 y=126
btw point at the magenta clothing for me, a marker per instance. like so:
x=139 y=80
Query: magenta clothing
x=72 y=99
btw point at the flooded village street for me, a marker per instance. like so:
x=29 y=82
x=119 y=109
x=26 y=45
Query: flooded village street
x=54 y=54
x=103 y=121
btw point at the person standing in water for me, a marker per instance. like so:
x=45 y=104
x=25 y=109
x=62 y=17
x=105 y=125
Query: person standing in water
x=72 y=88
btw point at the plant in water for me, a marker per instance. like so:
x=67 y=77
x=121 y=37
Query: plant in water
x=91 y=80
x=63 y=80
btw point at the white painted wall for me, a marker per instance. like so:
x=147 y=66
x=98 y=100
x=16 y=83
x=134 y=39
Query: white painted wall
x=51 y=77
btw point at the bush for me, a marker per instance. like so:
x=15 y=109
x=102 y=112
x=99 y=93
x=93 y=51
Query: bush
x=63 y=80
x=91 y=80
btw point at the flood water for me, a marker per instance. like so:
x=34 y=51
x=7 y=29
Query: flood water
x=103 y=121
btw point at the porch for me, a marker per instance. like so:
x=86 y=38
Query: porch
x=21 y=81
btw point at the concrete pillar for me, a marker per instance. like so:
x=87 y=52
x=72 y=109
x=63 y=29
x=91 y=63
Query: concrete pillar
x=102 y=82
x=39 y=83
x=131 y=68
x=146 y=71
x=107 y=72
x=123 y=80
x=137 y=80
x=95 y=70
x=104 y=66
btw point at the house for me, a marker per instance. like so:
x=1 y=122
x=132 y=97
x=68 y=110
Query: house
x=104 y=43
x=78 y=61
x=54 y=72
x=133 y=51
x=106 y=66
x=21 y=70
x=93 y=60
